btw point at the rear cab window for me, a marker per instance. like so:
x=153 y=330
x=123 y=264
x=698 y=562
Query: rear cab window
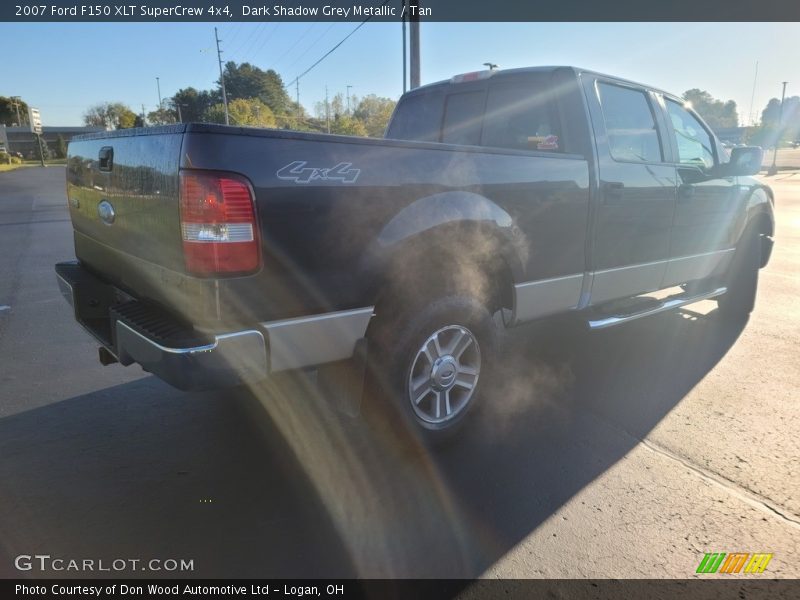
x=463 y=118
x=519 y=112
x=521 y=115
x=418 y=118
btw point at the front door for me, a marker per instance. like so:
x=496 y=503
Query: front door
x=636 y=203
x=707 y=204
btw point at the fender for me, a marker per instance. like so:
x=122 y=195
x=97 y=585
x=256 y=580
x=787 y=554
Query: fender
x=431 y=215
x=759 y=203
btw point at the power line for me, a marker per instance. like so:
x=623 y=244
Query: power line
x=262 y=30
x=267 y=38
x=292 y=47
x=247 y=40
x=329 y=52
x=317 y=41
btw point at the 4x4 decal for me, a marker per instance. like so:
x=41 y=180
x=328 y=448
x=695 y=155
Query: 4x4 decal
x=298 y=172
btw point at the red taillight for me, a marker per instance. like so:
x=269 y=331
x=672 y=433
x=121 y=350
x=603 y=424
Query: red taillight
x=218 y=224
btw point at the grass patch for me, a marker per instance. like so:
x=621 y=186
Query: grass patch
x=52 y=161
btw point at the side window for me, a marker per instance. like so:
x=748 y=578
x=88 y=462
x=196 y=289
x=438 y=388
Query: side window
x=462 y=118
x=630 y=124
x=694 y=142
x=417 y=118
x=521 y=116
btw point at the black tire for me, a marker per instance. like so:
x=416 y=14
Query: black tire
x=395 y=350
x=742 y=278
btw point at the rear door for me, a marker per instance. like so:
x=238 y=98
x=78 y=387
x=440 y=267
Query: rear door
x=630 y=246
x=707 y=205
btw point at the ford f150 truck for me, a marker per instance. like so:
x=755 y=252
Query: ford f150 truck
x=216 y=256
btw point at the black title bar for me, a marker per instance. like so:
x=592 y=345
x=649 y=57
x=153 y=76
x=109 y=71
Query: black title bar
x=393 y=10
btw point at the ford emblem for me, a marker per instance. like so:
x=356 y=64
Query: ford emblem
x=106 y=212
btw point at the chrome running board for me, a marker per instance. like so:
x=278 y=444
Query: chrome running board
x=601 y=322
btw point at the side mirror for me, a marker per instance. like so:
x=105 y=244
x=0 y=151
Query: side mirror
x=745 y=160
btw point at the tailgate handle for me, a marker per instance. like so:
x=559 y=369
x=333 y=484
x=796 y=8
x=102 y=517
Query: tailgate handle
x=106 y=158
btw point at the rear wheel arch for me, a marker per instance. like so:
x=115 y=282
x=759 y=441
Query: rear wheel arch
x=464 y=258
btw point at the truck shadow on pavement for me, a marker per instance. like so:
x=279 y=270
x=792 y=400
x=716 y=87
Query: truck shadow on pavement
x=273 y=483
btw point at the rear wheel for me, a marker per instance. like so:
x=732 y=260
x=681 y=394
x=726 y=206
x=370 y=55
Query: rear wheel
x=430 y=366
x=738 y=302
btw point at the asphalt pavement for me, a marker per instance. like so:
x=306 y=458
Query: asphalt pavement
x=625 y=453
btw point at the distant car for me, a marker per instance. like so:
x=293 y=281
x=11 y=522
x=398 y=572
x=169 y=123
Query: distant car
x=795 y=144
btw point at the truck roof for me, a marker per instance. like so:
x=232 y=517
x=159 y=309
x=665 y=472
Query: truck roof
x=539 y=69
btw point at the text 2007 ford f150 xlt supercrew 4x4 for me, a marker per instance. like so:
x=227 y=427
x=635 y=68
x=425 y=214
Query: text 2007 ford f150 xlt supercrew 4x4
x=216 y=255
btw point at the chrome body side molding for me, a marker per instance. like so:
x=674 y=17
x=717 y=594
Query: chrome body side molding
x=622 y=282
x=697 y=266
x=315 y=339
x=535 y=299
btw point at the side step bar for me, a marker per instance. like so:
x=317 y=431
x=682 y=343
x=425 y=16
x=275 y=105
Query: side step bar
x=601 y=322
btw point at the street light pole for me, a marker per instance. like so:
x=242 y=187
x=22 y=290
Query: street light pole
x=158 y=85
x=773 y=170
x=348 y=98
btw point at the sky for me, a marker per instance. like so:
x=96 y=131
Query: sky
x=64 y=68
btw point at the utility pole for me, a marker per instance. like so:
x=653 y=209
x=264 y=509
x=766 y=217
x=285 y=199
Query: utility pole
x=144 y=118
x=327 y=110
x=348 y=98
x=405 y=51
x=414 y=42
x=16 y=100
x=773 y=170
x=753 y=96
x=180 y=116
x=158 y=85
x=222 y=78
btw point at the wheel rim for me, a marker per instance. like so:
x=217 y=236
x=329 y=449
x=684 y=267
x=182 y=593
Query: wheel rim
x=444 y=375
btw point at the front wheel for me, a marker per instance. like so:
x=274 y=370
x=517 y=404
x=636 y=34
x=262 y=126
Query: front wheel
x=432 y=364
x=738 y=302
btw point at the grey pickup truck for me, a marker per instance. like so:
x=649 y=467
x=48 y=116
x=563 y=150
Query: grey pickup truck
x=215 y=256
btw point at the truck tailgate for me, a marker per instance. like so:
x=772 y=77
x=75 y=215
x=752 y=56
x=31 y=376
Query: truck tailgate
x=123 y=196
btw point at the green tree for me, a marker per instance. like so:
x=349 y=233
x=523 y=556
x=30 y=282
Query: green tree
x=716 y=113
x=109 y=115
x=791 y=113
x=244 y=112
x=247 y=81
x=374 y=112
x=162 y=116
x=127 y=119
x=8 y=112
x=346 y=125
x=193 y=103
